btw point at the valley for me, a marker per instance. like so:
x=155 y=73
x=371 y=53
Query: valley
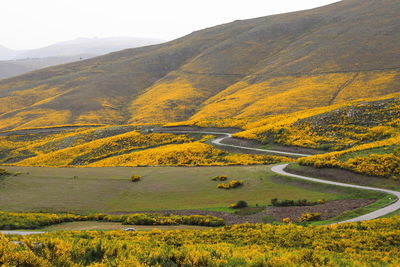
x=269 y=141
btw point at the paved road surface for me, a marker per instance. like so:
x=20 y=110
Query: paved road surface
x=20 y=233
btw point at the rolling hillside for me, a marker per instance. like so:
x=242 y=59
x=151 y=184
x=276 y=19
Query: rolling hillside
x=249 y=68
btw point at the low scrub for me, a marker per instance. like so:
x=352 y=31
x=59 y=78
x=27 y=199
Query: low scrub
x=135 y=178
x=3 y=172
x=239 y=205
x=231 y=184
x=220 y=178
x=384 y=165
x=11 y=220
x=157 y=219
x=308 y=217
x=368 y=243
x=301 y=202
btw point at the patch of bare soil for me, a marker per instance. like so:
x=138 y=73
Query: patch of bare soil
x=328 y=210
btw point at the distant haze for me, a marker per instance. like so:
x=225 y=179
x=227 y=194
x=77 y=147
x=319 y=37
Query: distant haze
x=28 y=24
x=86 y=46
x=16 y=62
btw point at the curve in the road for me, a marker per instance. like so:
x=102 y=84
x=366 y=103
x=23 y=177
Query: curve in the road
x=218 y=141
x=279 y=169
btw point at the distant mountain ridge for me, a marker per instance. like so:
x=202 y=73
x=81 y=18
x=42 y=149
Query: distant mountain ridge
x=87 y=46
x=249 y=68
x=7 y=53
x=14 y=62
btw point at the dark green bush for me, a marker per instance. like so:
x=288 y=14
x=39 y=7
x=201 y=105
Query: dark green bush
x=239 y=205
x=135 y=178
x=220 y=178
x=3 y=172
x=301 y=202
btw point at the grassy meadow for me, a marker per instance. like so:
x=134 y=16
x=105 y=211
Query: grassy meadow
x=88 y=190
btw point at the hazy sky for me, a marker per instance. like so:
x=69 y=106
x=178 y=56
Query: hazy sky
x=35 y=23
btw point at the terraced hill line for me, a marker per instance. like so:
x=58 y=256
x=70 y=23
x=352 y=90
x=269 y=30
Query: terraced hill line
x=279 y=169
x=45 y=130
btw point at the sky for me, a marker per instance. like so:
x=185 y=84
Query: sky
x=28 y=24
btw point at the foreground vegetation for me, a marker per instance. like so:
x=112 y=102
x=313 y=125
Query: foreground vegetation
x=372 y=243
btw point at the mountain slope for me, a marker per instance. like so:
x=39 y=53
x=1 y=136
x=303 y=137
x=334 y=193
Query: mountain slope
x=248 y=68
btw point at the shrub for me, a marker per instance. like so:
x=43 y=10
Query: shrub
x=11 y=220
x=220 y=178
x=158 y=219
x=239 y=205
x=135 y=178
x=368 y=243
x=301 y=202
x=3 y=172
x=231 y=184
x=307 y=217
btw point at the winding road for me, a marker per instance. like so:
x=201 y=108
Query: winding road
x=280 y=169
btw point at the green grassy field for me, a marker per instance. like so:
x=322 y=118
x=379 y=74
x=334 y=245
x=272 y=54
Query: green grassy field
x=88 y=190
